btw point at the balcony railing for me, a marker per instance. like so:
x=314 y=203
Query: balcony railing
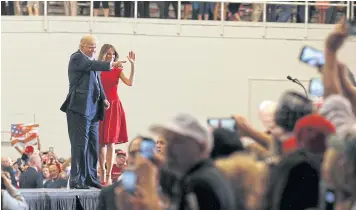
x=222 y=22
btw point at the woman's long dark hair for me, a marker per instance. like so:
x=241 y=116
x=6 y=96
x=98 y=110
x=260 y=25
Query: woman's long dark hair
x=104 y=49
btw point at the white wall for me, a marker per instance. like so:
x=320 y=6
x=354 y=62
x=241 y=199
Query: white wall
x=203 y=69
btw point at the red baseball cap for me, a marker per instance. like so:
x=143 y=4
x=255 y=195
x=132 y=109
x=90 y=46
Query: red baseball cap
x=120 y=152
x=29 y=149
x=312 y=131
x=314 y=121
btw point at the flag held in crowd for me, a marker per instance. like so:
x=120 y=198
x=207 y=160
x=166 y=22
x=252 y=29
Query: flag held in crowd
x=24 y=134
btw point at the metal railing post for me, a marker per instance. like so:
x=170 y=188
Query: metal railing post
x=222 y=18
x=264 y=18
x=45 y=16
x=135 y=16
x=348 y=10
x=352 y=9
x=179 y=17
x=306 y=19
x=91 y=16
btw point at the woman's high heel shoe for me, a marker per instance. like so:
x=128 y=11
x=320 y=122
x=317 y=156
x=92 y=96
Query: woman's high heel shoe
x=102 y=178
x=108 y=179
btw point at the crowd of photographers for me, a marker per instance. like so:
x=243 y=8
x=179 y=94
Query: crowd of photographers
x=305 y=159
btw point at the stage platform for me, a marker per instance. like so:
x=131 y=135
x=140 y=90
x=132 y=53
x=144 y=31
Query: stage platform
x=60 y=199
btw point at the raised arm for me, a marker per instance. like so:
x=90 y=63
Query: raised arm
x=330 y=71
x=20 y=150
x=348 y=87
x=129 y=81
x=78 y=62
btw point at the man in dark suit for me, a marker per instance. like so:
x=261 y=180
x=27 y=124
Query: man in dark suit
x=85 y=106
x=32 y=178
x=107 y=195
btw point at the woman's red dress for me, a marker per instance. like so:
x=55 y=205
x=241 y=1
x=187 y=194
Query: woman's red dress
x=113 y=128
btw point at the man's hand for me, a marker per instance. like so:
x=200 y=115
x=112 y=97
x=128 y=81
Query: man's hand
x=6 y=179
x=106 y=104
x=145 y=196
x=242 y=125
x=342 y=27
x=118 y=64
x=338 y=36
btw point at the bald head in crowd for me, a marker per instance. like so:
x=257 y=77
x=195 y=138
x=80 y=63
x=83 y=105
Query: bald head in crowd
x=53 y=171
x=5 y=161
x=88 y=44
x=35 y=161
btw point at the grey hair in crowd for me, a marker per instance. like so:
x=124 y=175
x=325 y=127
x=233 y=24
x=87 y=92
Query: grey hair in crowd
x=337 y=109
x=347 y=151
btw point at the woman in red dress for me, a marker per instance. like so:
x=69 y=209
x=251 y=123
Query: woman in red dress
x=112 y=130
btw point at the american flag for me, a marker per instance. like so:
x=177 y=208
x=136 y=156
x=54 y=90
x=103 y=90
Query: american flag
x=24 y=134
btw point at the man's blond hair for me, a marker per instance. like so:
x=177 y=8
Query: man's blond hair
x=88 y=38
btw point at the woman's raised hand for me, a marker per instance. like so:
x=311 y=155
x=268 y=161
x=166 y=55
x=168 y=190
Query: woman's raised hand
x=131 y=57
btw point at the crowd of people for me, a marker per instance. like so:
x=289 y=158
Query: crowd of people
x=305 y=159
x=35 y=169
x=321 y=12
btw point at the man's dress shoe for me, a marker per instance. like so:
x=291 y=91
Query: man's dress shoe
x=98 y=186
x=79 y=186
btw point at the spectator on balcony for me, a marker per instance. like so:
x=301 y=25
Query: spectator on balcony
x=322 y=7
x=144 y=9
x=164 y=13
x=286 y=13
x=217 y=11
x=272 y=12
x=204 y=9
x=330 y=13
x=70 y=8
x=17 y=8
x=128 y=8
x=7 y=8
x=256 y=12
x=32 y=8
x=104 y=4
x=234 y=9
x=187 y=7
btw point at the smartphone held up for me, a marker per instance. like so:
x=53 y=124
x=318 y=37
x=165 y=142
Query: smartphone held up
x=316 y=87
x=312 y=57
x=129 y=181
x=223 y=122
x=148 y=148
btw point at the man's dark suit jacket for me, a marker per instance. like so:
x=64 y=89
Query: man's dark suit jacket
x=58 y=183
x=31 y=179
x=88 y=95
x=107 y=197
